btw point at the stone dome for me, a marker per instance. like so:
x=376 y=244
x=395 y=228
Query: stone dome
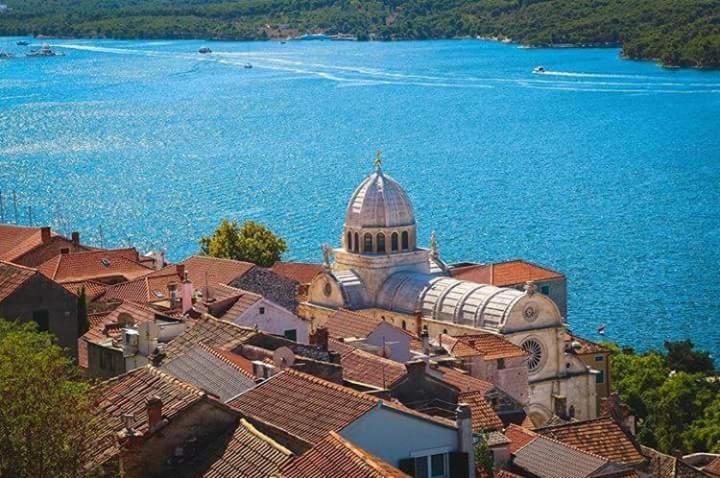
x=379 y=202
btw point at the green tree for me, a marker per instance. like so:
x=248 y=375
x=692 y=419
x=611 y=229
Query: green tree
x=83 y=323
x=682 y=357
x=704 y=433
x=44 y=410
x=251 y=242
x=483 y=454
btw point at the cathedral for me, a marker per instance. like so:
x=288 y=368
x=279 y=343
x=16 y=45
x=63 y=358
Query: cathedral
x=379 y=269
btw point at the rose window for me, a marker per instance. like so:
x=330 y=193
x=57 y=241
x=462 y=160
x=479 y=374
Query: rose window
x=535 y=353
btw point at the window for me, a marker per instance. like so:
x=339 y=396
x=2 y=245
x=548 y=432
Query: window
x=545 y=289
x=356 y=244
x=599 y=358
x=600 y=378
x=421 y=467
x=262 y=310
x=394 y=242
x=437 y=465
x=42 y=319
x=404 y=325
x=367 y=243
x=405 y=241
x=501 y=363
x=535 y=354
x=381 y=243
x=348 y=241
x=290 y=335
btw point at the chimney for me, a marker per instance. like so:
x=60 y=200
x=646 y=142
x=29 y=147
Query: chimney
x=45 y=234
x=418 y=322
x=75 y=241
x=172 y=292
x=180 y=270
x=187 y=294
x=416 y=369
x=319 y=338
x=465 y=435
x=154 y=406
x=425 y=342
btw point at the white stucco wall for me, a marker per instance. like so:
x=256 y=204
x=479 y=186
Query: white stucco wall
x=276 y=320
x=395 y=339
x=393 y=436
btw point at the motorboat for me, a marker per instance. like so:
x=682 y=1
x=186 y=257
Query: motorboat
x=247 y=65
x=539 y=69
x=204 y=50
x=23 y=43
x=44 y=50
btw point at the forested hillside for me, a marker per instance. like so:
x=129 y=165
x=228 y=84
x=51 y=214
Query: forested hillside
x=676 y=32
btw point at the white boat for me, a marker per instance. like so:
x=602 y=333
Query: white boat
x=539 y=69
x=247 y=65
x=44 y=50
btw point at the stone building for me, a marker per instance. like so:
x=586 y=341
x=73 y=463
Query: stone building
x=381 y=269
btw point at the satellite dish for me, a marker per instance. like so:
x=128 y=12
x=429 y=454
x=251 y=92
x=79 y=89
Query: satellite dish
x=283 y=358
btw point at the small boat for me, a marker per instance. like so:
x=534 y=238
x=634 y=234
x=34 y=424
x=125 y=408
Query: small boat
x=5 y=55
x=204 y=50
x=247 y=65
x=44 y=50
x=539 y=69
x=22 y=43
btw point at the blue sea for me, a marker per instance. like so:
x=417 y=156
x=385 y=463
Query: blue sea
x=605 y=169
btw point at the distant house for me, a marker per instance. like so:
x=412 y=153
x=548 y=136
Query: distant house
x=596 y=357
x=308 y=409
x=27 y=295
x=493 y=358
x=31 y=246
x=516 y=274
x=104 y=266
x=365 y=330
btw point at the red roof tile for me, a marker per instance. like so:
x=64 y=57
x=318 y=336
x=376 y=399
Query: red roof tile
x=600 y=436
x=93 y=289
x=486 y=345
x=206 y=270
x=126 y=394
x=713 y=467
x=586 y=346
x=346 y=324
x=301 y=272
x=16 y=241
x=215 y=333
x=95 y=265
x=519 y=436
x=461 y=380
x=504 y=274
x=484 y=417
x=366 y=368
x=336 y=457
x=12 y=277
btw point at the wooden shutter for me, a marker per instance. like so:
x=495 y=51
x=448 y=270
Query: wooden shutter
x=458 y=464
x=408 y=466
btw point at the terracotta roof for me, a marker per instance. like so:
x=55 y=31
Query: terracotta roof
x=309 y=408
x=217 y=334
x=204 y=270
x=228 y=302
x=586 y=346
x=243 y=452
x=370 y=369
x=16 y=241
x=301 y=272
x=666 y=466
x=93 y=289
x=12 y=277
x=484 y=417
x=713 y=467
x=340 y=347
x=519 y=436
x=126 y=394
x=461 y=380
x=94 y=265
x=345 y=324
x=504 y=274
x=210 y=371
x=506 y=474
x=336 y=457
x=488 y=346
x=547 y=458
x=601 y=436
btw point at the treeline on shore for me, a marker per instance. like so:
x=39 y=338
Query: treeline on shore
x=675 y=32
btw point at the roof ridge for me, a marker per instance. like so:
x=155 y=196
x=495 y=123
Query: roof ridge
x=367 y=457
x=333 y=386
x=213 y=258
x=19 y=266
x=188 y=386
x=577 y=422
x=224 y=359
x=250 y=428
x=576 y=449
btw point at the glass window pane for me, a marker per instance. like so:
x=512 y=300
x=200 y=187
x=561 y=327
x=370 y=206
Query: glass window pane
x=437 y=465
x=421 y=467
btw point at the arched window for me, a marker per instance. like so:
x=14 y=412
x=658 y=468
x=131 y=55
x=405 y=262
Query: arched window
x=405 y=241
x=381 y=243
x=356 y=247
x=348 y=244
x=394 y=242
x=367 y=243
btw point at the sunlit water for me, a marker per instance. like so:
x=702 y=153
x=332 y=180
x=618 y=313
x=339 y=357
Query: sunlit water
x=602 y=168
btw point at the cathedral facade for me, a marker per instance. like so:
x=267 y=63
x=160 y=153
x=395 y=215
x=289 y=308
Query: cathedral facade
x=380 y=269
